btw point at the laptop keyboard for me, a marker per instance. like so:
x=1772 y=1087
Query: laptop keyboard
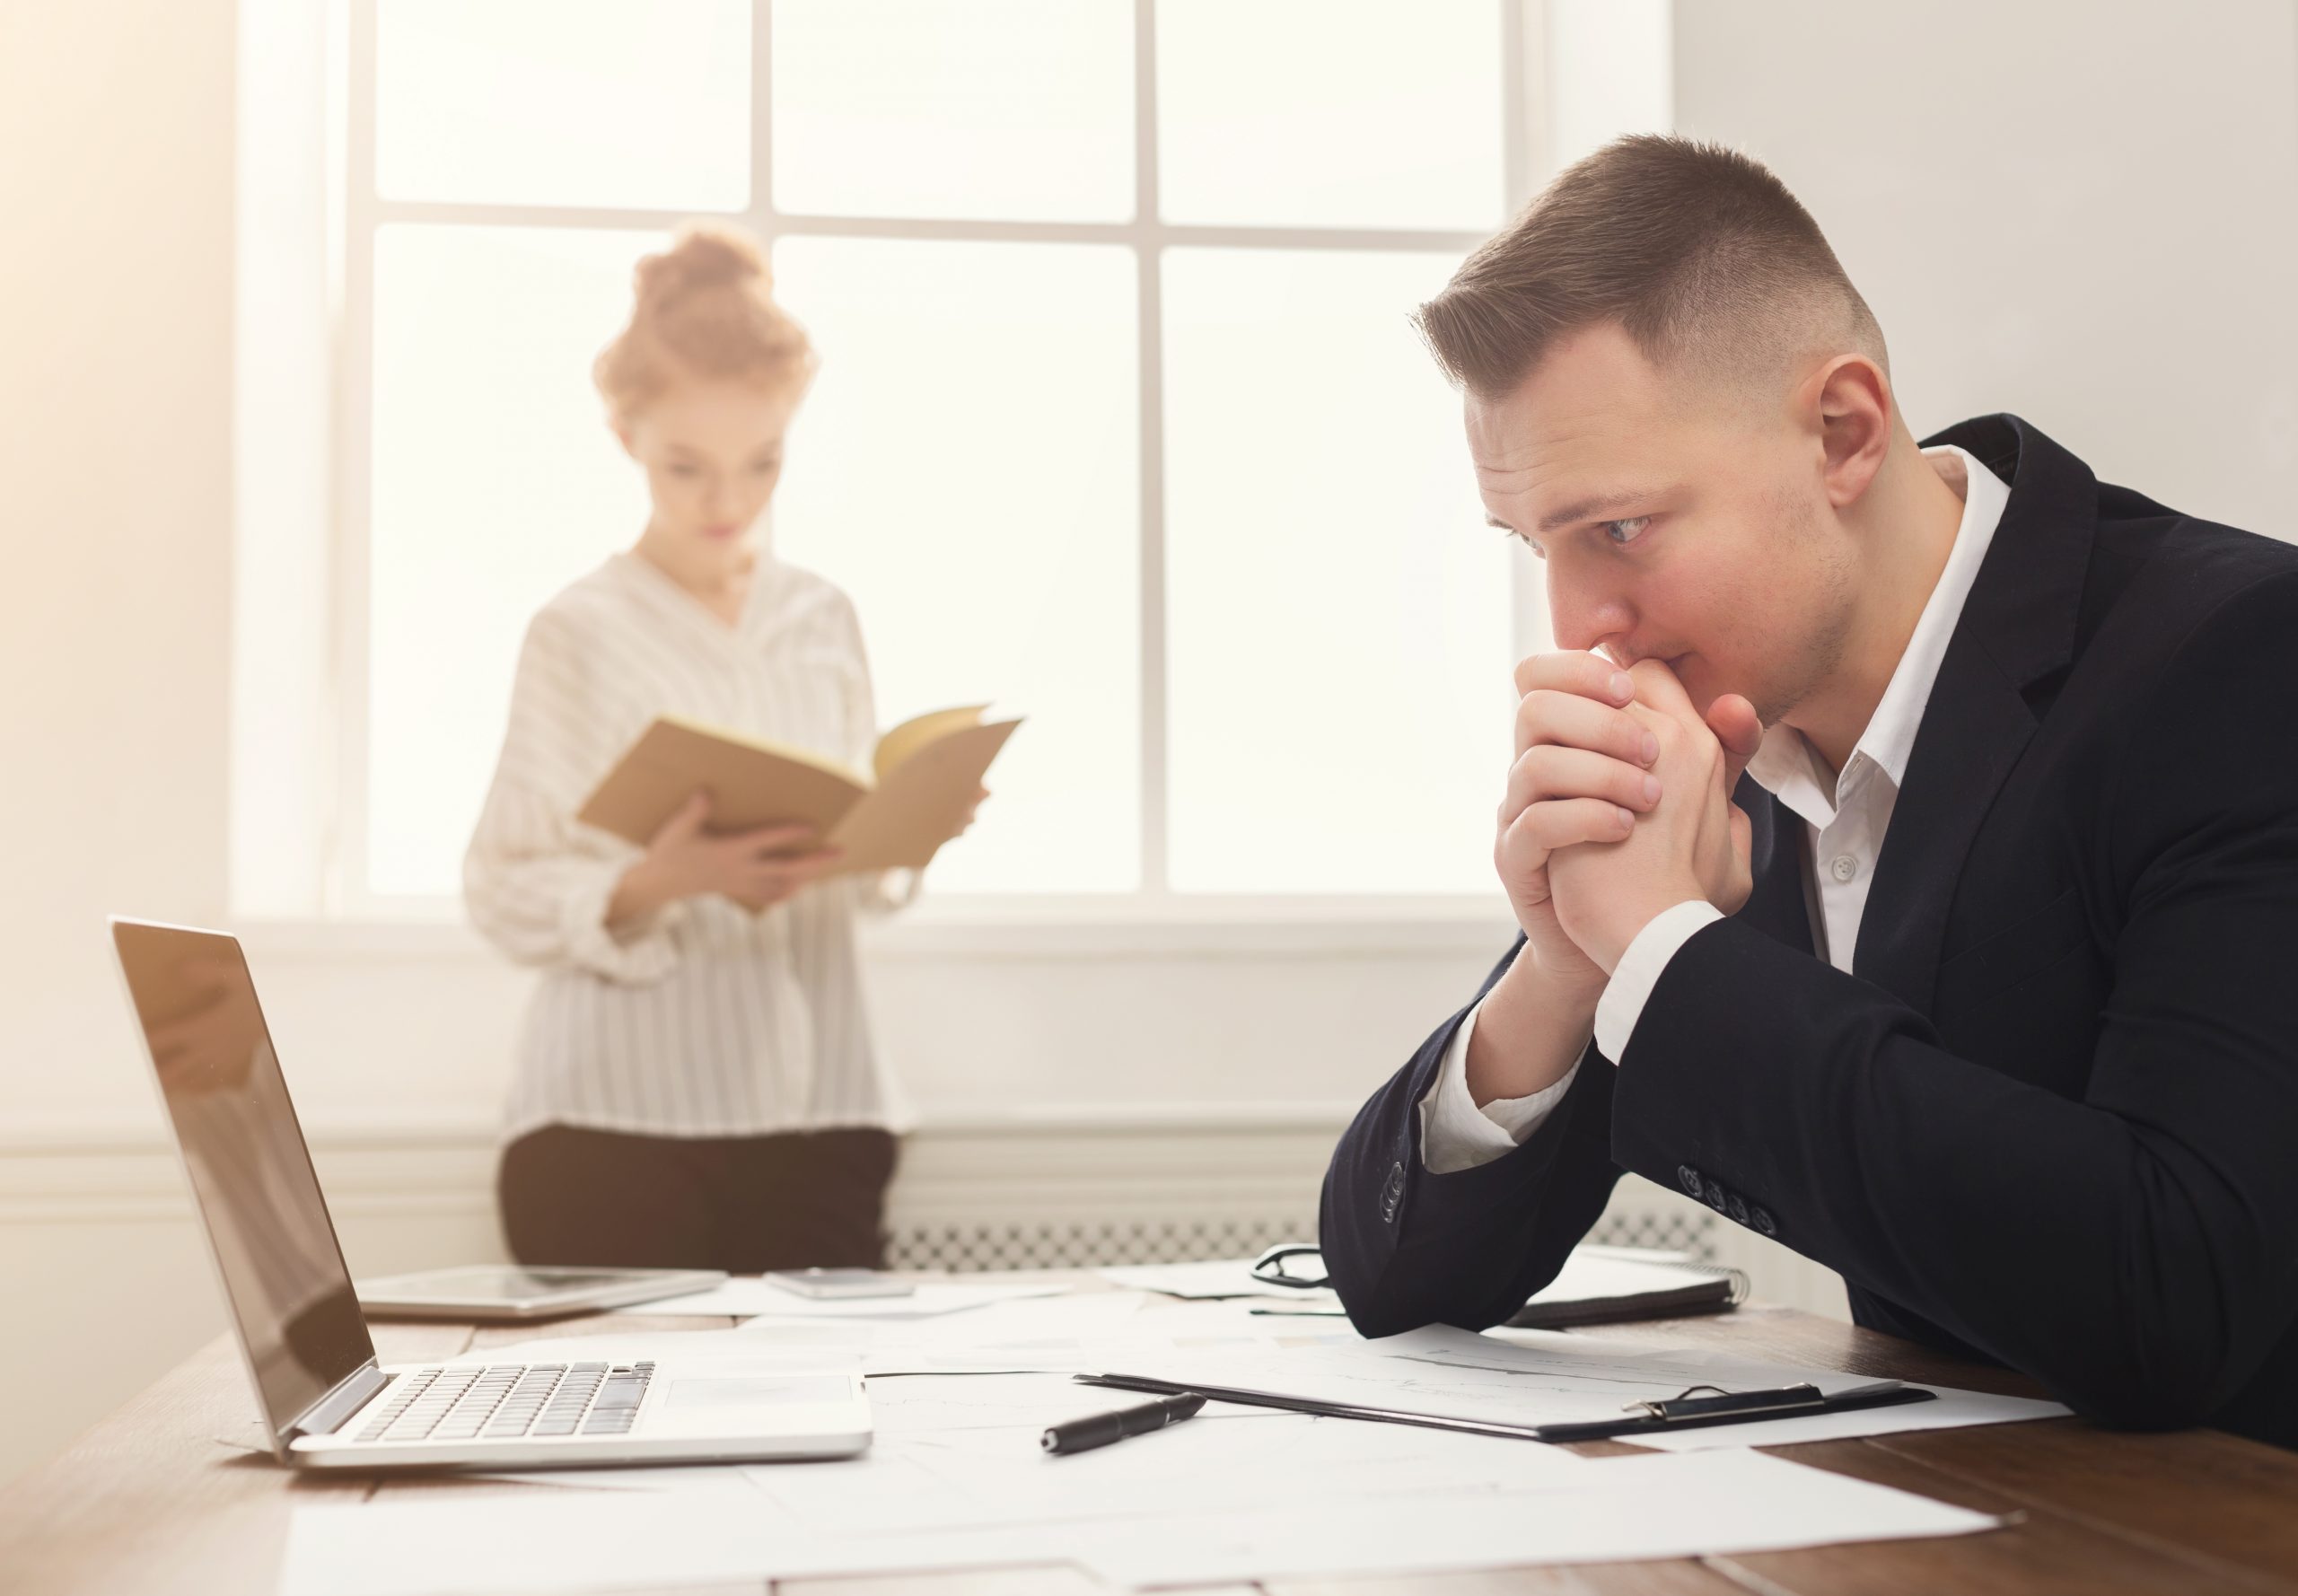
x=507 y=1401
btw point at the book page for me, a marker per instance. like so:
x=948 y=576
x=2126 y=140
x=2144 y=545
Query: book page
x=795 y=755
x=750 y=784
x=921 y=800
x=918 y=731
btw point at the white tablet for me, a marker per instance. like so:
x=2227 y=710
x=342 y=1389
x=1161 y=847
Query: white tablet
x=516 y=1292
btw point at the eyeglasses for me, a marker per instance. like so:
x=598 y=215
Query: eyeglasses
x=1277 y=1267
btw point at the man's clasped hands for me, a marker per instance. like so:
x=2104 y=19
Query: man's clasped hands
x=1619 y=807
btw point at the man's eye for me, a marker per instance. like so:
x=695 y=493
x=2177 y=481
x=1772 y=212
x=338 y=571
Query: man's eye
x=1527 y=542
x=1626 y=531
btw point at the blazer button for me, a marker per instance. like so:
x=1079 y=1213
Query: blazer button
x=1766 y=1223
x=1739 y=1209
x=1689 y=1177
x=1715 y=1197
x=1392 y=1194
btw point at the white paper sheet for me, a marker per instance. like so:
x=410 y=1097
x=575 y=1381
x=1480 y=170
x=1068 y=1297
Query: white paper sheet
x=746 y=1296
x=1618 y=1509
x=1328 y=1497
x=943 y=1468
x=1210 y=1279
x=1952 y=1410
x=559 y=1541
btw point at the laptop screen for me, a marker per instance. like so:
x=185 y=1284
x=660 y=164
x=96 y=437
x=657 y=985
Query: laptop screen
x=251 y=1172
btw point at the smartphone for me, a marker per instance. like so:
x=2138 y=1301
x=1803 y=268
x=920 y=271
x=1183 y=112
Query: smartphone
x=840 y=1283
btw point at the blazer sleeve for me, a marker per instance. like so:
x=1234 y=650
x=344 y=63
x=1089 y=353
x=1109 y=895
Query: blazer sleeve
x=1407 y=1248
x=2135 y=1248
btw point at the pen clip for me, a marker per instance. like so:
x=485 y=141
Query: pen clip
x=1687 y=1404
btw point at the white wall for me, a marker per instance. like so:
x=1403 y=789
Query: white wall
x=2085 y=212
x=116 y=157
x=115 y=328
x=2077 y=211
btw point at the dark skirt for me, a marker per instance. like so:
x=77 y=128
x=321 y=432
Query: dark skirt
x=741 y=1204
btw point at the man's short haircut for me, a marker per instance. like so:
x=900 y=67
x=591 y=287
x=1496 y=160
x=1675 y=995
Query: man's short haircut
x=1698 y=252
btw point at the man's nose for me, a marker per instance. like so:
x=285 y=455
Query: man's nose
x=1584 y=615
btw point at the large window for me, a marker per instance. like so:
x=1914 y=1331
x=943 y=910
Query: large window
x=1121 y=421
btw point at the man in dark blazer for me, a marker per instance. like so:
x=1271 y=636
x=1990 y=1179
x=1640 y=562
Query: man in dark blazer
x=1904 y=838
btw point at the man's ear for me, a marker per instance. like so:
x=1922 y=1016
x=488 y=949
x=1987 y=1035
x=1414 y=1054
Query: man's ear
x=1851 y=399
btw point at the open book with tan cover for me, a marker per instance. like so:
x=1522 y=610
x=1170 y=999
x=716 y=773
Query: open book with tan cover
x=926 y=773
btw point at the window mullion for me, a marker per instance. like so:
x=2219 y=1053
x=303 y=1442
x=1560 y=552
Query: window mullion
x=1523 y=63
x=1156 y=873
x=349 y=886
x=760 y=217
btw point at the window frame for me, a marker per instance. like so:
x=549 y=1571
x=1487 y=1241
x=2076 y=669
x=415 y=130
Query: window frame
x=341 y=875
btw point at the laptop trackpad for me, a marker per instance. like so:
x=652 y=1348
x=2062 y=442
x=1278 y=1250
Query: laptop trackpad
x=758 y=1390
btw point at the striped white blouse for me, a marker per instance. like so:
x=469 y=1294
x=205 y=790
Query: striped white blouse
x=705 y=1020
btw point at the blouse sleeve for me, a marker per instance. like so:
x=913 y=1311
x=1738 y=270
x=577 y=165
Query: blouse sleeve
x=535 y=882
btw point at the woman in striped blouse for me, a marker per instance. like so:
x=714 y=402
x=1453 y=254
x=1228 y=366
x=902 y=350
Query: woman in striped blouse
x=695 y=1084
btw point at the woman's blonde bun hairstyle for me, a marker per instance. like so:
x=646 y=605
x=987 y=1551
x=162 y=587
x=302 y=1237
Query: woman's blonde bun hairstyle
x=705 y=310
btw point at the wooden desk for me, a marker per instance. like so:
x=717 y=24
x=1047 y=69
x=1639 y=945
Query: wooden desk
x=161 y=1497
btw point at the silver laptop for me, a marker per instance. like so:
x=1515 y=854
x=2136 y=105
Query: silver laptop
x=324 y=1400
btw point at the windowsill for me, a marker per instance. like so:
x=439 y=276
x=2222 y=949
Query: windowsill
x=1017 y=928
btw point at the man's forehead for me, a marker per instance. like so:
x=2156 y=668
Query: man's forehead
x=1593 y=404
x=1535 y=464
x=1590 y=393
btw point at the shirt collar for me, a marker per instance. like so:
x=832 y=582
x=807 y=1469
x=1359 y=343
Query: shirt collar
x=1787 y=766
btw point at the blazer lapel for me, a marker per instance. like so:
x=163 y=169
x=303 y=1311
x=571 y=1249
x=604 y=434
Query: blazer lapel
x=1776 y=904
x=2015 y=635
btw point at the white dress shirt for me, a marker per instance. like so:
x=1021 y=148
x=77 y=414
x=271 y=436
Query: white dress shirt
x=704 y=1020
x=1844 y=821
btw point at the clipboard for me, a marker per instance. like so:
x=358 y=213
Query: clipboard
x=1685 y=1411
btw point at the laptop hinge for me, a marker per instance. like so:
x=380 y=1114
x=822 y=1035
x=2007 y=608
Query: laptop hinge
x=328 y=1414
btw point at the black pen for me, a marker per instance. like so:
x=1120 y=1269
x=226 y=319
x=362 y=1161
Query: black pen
x=1100 y=1429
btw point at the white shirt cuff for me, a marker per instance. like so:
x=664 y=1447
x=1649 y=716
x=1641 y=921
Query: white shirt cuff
x=1640 y=967
x=640 y=954
x=1455 y=1133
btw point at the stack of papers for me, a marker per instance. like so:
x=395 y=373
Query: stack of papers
x=956 y=1478
x=1544 y=1377
x=1211 y=1500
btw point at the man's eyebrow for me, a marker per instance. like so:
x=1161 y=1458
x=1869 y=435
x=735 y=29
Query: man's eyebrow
x=1594 y=506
